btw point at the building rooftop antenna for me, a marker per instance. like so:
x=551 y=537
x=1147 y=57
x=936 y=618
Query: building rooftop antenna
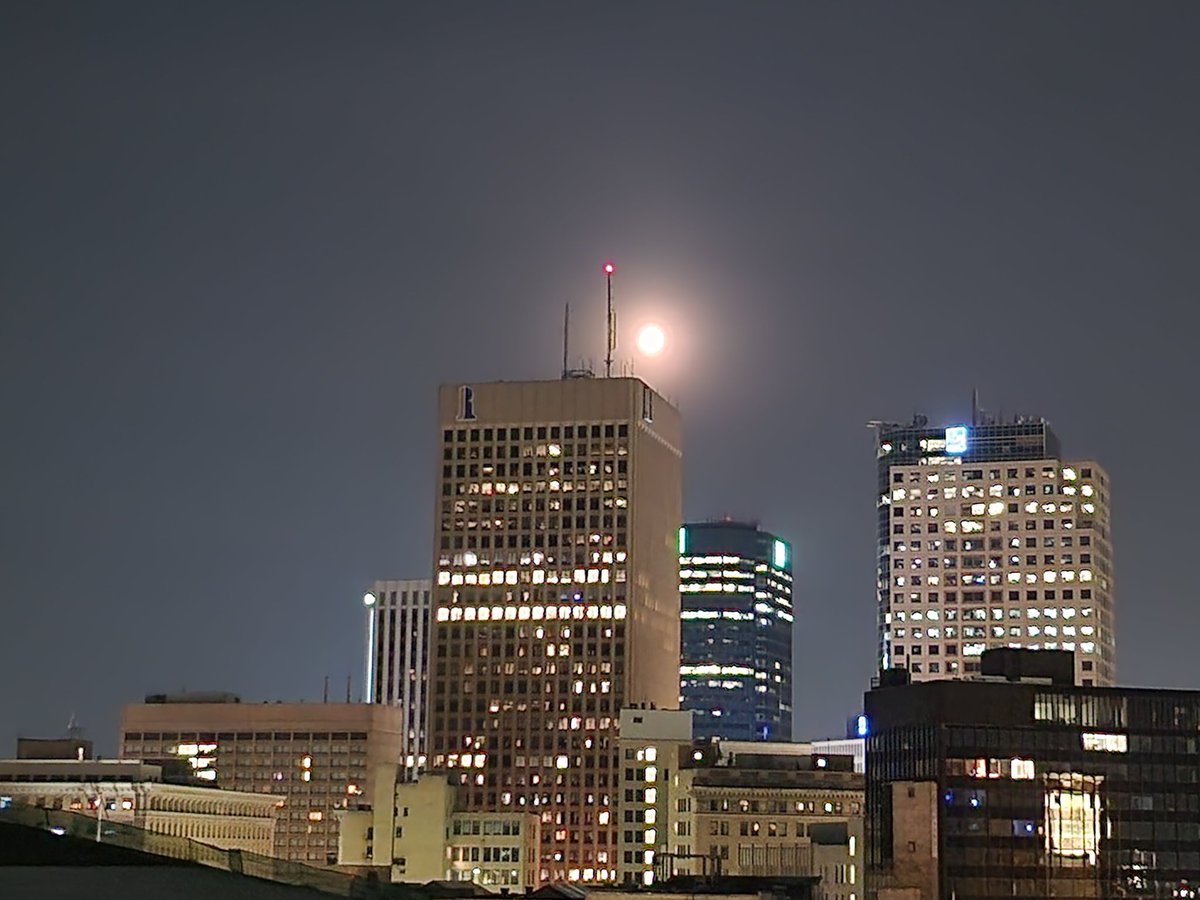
x=585 y=367
x=611 y=340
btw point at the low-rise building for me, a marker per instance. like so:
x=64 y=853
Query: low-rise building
x=855 y=748
x=768 y=815
x=54 y=748
x=133 y=793
x=735 y=808
x=1024 y=784
x=423 y=835
x=651 y=743
x=315 y=758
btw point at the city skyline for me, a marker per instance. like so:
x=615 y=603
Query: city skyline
x=231 y=289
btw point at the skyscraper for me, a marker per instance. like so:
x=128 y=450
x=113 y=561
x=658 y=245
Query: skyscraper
x=397 y=660
x=988 y=537
x=556 y=598
x=735 y=589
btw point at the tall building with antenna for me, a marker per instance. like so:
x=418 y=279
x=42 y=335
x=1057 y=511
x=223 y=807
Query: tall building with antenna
x=989 y=537
x=555 y=598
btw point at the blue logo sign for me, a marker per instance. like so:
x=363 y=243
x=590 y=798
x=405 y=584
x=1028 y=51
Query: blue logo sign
x=956 y=439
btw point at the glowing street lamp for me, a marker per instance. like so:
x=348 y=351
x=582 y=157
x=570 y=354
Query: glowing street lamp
x=369 y=600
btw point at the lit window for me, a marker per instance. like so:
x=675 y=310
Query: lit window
x=1022 y=769
x=1105 y=743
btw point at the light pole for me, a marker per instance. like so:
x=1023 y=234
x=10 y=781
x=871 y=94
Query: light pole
x=99 y=799
x=369 y=601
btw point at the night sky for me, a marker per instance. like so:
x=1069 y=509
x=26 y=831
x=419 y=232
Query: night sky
x=241 y=244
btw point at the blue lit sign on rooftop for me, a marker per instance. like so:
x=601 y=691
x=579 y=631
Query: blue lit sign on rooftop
x=956 y=439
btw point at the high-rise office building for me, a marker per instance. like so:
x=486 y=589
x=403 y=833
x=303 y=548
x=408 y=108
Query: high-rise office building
x=735 y=589
x=556 y=598
x=989 y=537
x=1023 y=784
x=397 y=659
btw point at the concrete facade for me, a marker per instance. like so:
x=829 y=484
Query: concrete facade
x=556 y=598
x=758 y=819
x=914 y=839
x=423 y=837
x=132 y=793
x=315 y=757
x=652 y=741
x=735 y=808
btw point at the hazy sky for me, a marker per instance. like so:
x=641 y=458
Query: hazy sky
x=241 y=243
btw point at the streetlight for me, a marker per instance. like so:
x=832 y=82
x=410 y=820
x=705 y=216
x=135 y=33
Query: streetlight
x=369 y=600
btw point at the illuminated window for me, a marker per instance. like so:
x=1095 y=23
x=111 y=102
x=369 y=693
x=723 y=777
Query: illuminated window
x=1105 y=743
x=1022 y=769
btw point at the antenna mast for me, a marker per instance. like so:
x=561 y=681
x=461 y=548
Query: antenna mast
x=611 y=344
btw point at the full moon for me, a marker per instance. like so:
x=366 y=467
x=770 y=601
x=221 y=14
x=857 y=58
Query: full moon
x=651 y=340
